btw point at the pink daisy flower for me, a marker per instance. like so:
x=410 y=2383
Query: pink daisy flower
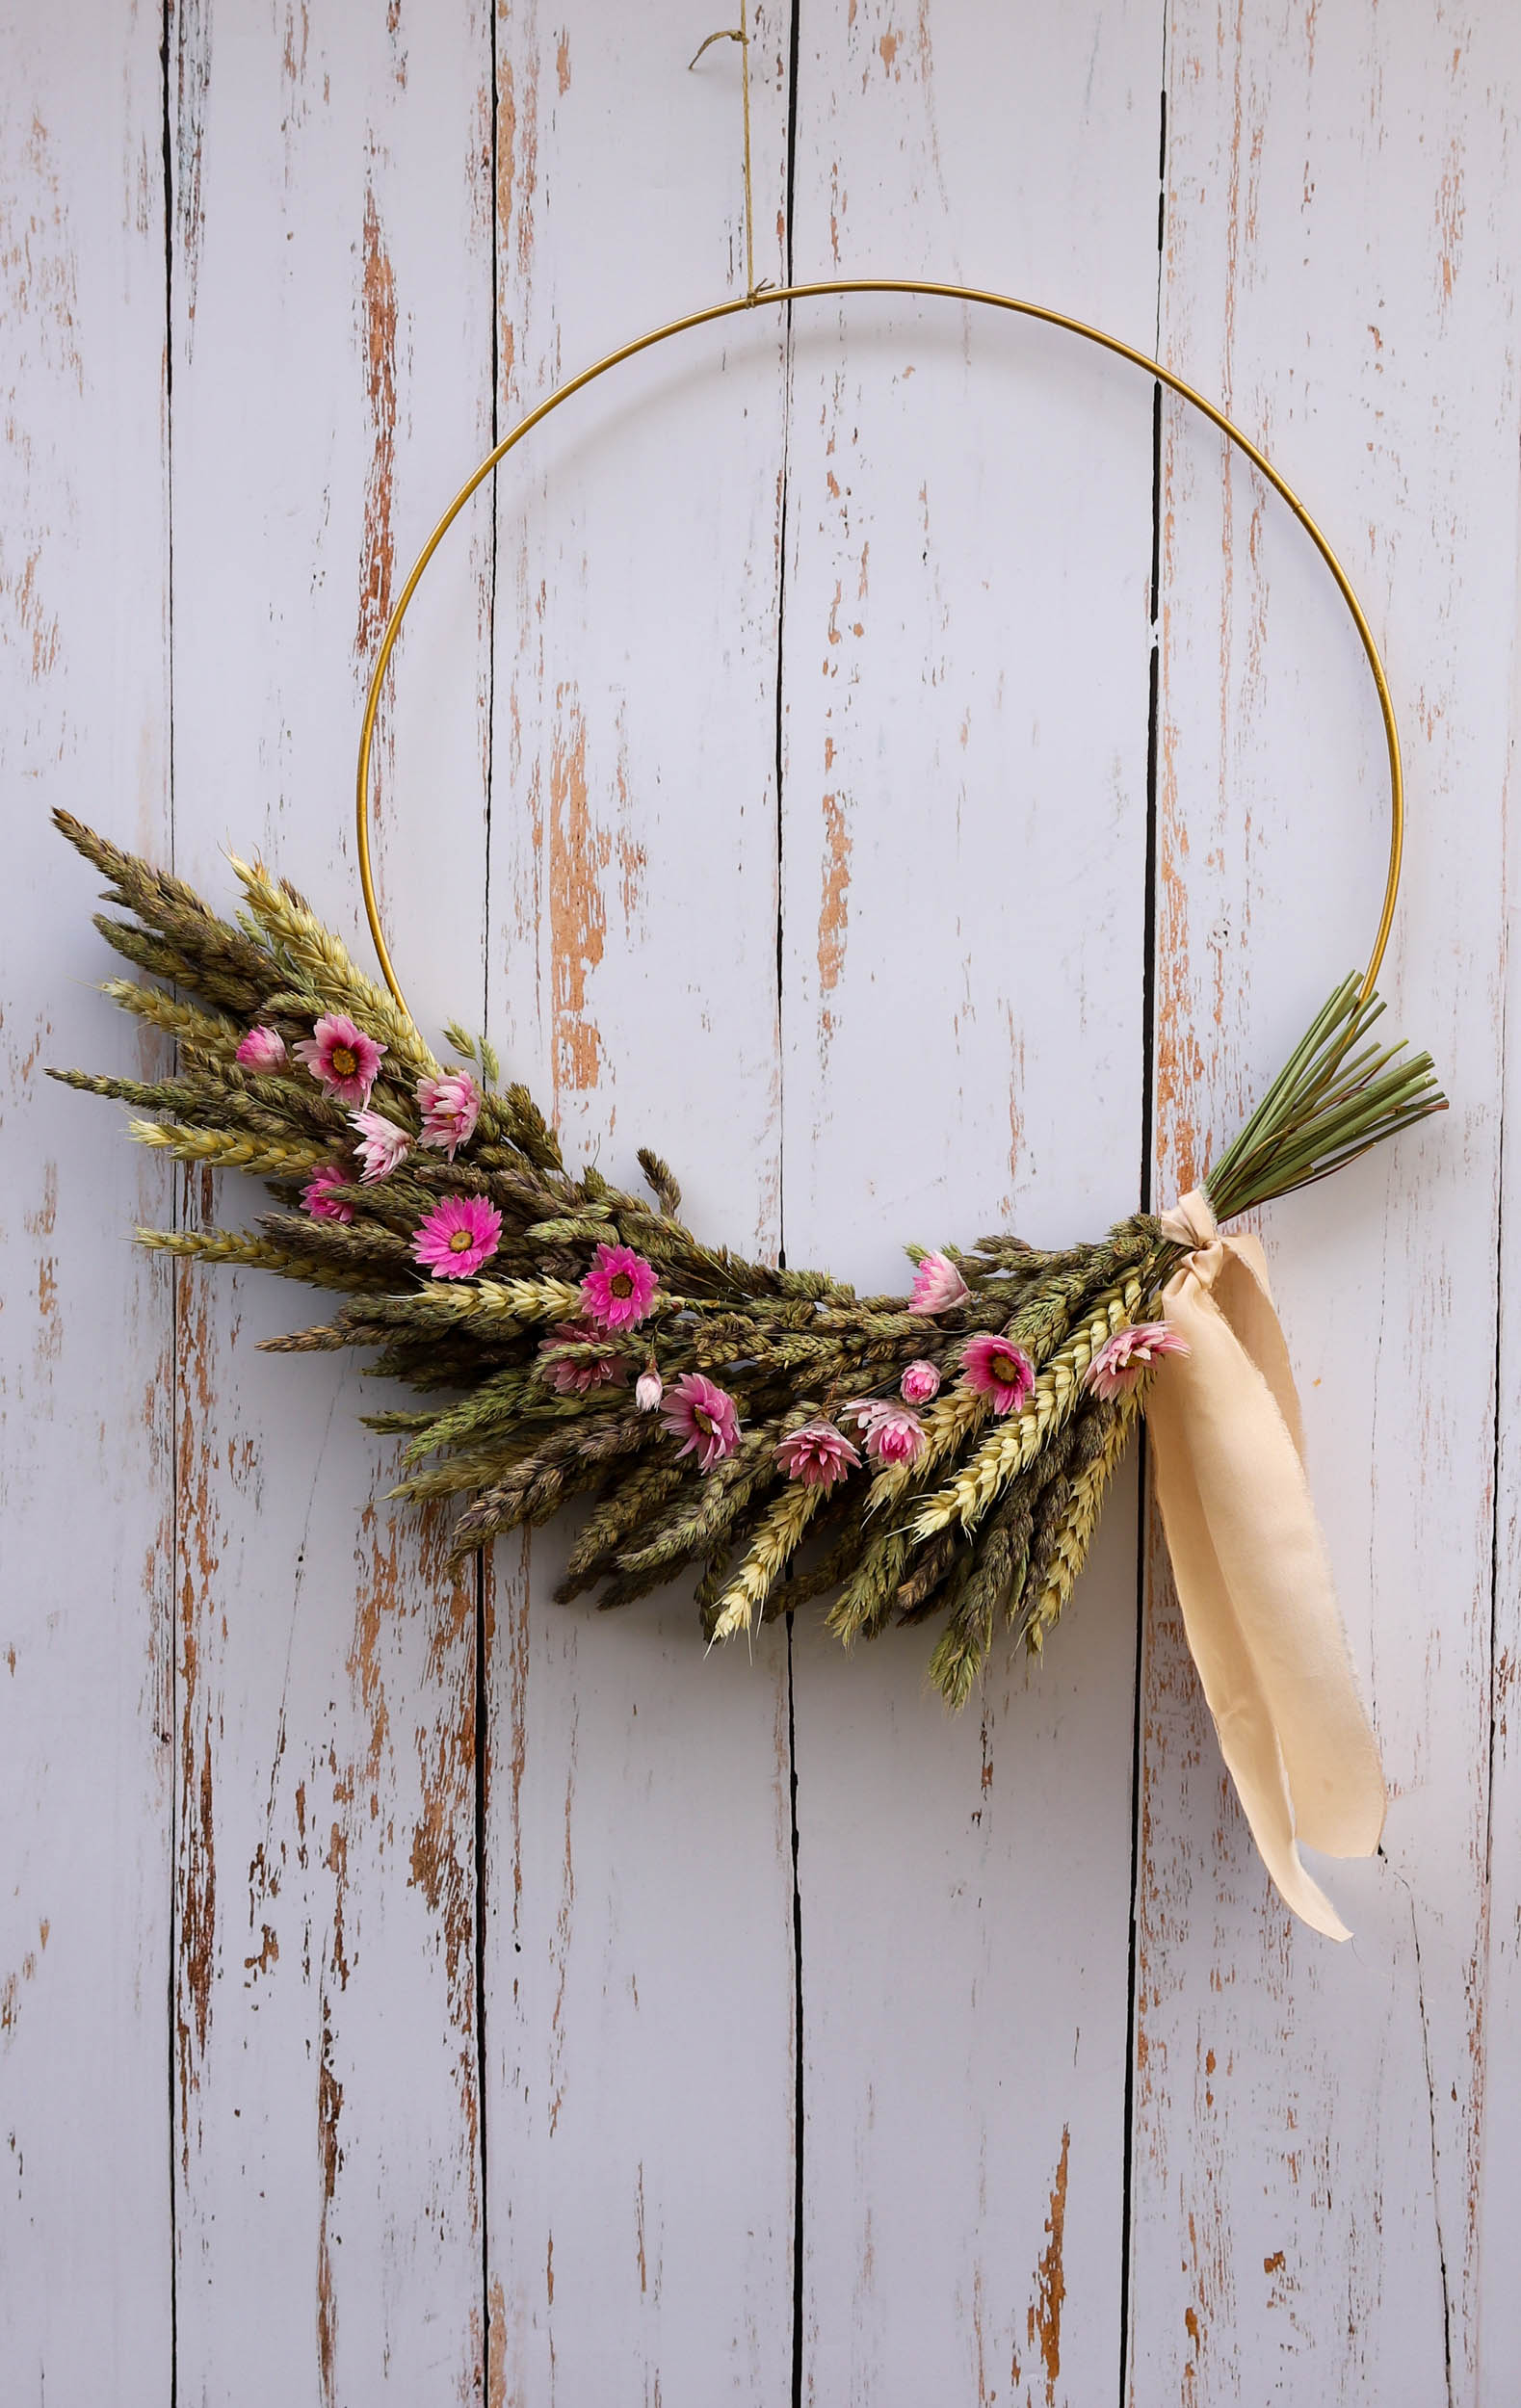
x=603 y=1370
x=341 y=1058
x=998 y=1369
x=450 y=1106
x=649 y=1389
x=818 y=1454
x=620 y=1288
x=894 y=1434
x=919 y=1383
x=937 y=1285
x=705 y=1415
x=1121 y=1360
x=460 y=1234
x=383 y=1145
x=318 y=1193
x=262 y=1049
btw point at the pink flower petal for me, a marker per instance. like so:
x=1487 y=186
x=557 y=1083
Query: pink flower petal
x=938 y=1286
x=919 y=1383
x=994 y=1367
x=262 y=1049
x=318 y=1196
x=620 y=1288
x=818 y=1454
x=461 y=1234
x=450 y=1106
x=1122 y=1359
x=705 y=1416
x=341 y=1058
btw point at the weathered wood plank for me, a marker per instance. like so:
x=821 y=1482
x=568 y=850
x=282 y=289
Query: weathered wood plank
x=1498 y=2301
x=639 y=1972
x=85 y=1501
x=331 y=379
x=1341 y=263
x=965 y=690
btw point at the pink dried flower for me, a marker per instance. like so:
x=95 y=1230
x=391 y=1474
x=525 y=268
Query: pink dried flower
x=1121 y=1360
x=460 y=1234
x=649 y=1389
x=919 y=1383
x=705 y=1415
x=341 y=1058
x=383 y=1145
x=818 y=1454
x=603 y=1370
x=996 y=1368
x=318 y=1193
x=894 y=1434
x=620 y=1288
x=937 y=1285
x=262 y=1049
x=450 y=1106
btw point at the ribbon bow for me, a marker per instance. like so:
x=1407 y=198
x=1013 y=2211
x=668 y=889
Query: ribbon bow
x=1250 y=1566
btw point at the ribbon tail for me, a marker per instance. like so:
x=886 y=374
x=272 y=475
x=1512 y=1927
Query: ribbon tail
x=1254 y=1581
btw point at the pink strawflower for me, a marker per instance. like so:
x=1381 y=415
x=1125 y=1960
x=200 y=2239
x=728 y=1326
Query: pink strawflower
x=937 y=1285
x=383 y=1145
x=341 y=1058
x=262 y=1049
x=603 y=1370
x=705 y=1415
x=894 y=1434
x=649 y=1389
x=620 y=1288
x=450 y=1106
x=318 y=1193
x=460 y=1234
x=818 y=1454
x=1121 y=1360
x=998 y=1369
x=919 y=1383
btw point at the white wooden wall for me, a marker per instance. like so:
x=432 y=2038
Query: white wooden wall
x=410 y=1987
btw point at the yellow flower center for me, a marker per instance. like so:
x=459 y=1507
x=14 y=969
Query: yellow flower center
x=1007 y=1372
x=621 y=1284
x=344 y=1061
x=704 y=1420
x=460 y=1240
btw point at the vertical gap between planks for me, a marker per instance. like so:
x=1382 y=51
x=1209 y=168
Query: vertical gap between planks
x=176 y=1270
x=483 y=1669
x=1498 y=1393
x=1148 y=1014
x=789 y=188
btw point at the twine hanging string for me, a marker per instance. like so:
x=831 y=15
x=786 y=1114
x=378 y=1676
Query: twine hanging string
x=741 y=33
x=755 y=295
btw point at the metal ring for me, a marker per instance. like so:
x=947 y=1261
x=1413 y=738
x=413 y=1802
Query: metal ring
x=941 y=292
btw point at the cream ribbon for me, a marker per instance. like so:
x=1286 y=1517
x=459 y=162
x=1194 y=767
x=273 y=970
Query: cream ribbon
x=1250 y=1566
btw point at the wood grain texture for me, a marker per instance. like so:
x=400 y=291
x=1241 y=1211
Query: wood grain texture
x=332 y=377
x=398 y=1986
x=964 y=840
x=86 y=1509
x=1341 y=261
x=639 y=1981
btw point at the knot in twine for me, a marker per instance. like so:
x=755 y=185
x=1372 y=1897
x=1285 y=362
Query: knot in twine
x=1250 y=1566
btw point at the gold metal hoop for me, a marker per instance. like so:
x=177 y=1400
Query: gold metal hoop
x=769 y=297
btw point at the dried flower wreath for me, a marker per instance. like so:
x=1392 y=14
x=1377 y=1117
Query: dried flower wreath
x=945 y=1452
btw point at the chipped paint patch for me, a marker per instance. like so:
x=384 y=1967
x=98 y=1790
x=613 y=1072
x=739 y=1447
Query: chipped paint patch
x=834 y=893
x=378 y=351
x=579 y=854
